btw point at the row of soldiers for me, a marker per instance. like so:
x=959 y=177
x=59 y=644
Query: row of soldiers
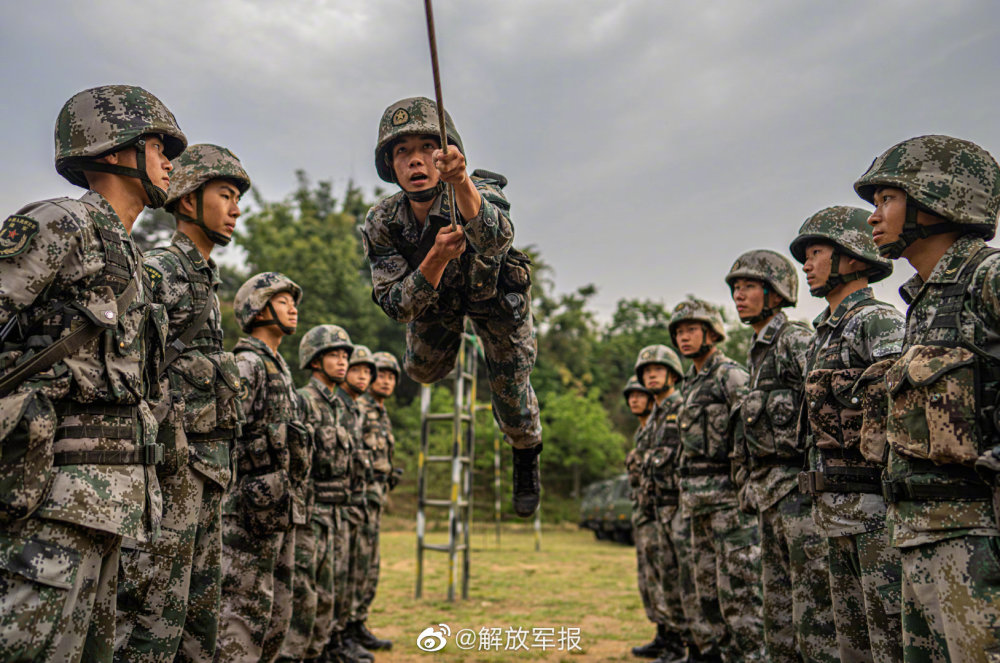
x=836 y=499
x=160 y=498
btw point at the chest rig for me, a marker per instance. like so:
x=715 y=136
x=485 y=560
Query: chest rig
x=209 y=337
x=266 y=442
x=769 y=409
x=832 y=417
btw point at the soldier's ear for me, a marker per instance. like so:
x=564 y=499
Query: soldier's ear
x=187 y=205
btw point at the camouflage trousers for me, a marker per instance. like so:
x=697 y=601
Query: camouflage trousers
x=649 y=553
x=725 y=557
x=864 y=586
x=951 y=600
x=346 y=567
x=509 y=347
x=256 y=605
x=674 y=618
x=365 y=594
x=695 y=628
x=798 y=615
x=168 y=590
x=57 y=592
x=325 y=524
x=300 y=629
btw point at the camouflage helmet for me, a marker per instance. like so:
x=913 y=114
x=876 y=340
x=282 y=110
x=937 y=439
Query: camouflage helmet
x=696 y=310
x=102 y=120
x=952 y=178
x=255 y=295
x=846 y=228
x=387 y=361
x=320 y=339
x=362 y=356
x=772 y=268
x=634 y=384
x=415 y=116
x=658 y=354
x=198 y=165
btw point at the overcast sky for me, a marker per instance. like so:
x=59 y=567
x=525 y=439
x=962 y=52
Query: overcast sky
x=647 y=143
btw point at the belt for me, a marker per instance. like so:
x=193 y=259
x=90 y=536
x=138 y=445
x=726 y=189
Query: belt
x=150 y=454
x=218 y=435
x=898 y=491
x=357 y=499
x=669 y=499
x=775 y=461
x=72 y=408
x=841 y=480
x=703 y=469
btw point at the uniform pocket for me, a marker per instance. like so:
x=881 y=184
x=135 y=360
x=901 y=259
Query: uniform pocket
x=266 y=501
x=842 y=383
x=932 y=414
x=871 y=389
x=193 y=375
x=27 y=429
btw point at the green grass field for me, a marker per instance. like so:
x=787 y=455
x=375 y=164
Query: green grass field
x=572 y=582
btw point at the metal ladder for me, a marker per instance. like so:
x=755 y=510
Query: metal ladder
x=463 y=438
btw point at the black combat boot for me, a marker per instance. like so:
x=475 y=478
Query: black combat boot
x=341 y=649
x=527 y=483
x=360 y=633
x=674 y=649
x=352 y=651
x=655 y=648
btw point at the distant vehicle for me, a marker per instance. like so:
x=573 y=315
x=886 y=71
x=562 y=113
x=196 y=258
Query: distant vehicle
x=606 y=509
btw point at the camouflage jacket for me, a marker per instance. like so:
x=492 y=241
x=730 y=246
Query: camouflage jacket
x=634 y=461
x=275 y=436
x=378 y=437
x=860 y=332
x=709 y=395
x=360 y=468
x=63 y=261
x=393 y=237
x=915 y=522
x=769 y=412
x=204 y=377
x=334 y=446
x=659 y=469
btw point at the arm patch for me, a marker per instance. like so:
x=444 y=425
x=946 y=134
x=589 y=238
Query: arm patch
x=16 y=235
x=155 y=275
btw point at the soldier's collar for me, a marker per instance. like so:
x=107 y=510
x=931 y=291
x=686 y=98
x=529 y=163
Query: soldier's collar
x=345 y=398
x=101 y=203
x=771 y=329
x=850 y=301
x=266 y=349
x=324 y=390
x=186 y=244
x=949 y=266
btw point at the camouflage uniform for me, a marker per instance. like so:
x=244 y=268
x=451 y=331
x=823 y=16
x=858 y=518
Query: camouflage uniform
x=349 y=568
x=273 y=455
x=325 y=414
x=78 y=439
x=725 y=543
x=168 y=592
x=845 y=486
x=798 y=617
x=942 y=391
x=489 y=284
x=380 y=442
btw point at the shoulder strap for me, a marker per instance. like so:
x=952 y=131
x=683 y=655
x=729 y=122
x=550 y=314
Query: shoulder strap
x=178 y=345
x=65 y=346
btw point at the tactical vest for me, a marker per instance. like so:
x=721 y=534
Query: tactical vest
x=106 y=429
x=659 y=468
x=769 y=410
x=833 y=418
x=265 y=444
x=332 y=451
x=209 y=337
x=943 y=409
x=704 y=425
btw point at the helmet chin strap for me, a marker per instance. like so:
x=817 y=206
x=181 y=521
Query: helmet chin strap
x=157 y=196
x=425 y=195
x=354 y=390
x=199 y=219
x=912 y=231
x=836 y=278
x=765 y=312
x=287 y=331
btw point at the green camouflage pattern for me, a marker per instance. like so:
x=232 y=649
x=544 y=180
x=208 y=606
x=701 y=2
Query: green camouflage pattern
x=257 y=291
x=362 y=356
x=347 y=540
x=377 y=434
x=387 y=360
x=846 y=228
x=57 y=591
x=658 y=354
x=200 y=164
x=953 y=178
x=696 y=310
x=918 y=522
x=414 y=116
x=103 y=119
x=770 y=267
x=27 y=429
x=321 y=338
x=633 y=384
x=304 y=598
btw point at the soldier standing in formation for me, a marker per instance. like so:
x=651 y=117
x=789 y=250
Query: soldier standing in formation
x=81 y=346
x=432 y=277
x=168 y=592
x=798 y=618
x=725 y=543
x=853 y=333
x=380 y=443
x=936 y=202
